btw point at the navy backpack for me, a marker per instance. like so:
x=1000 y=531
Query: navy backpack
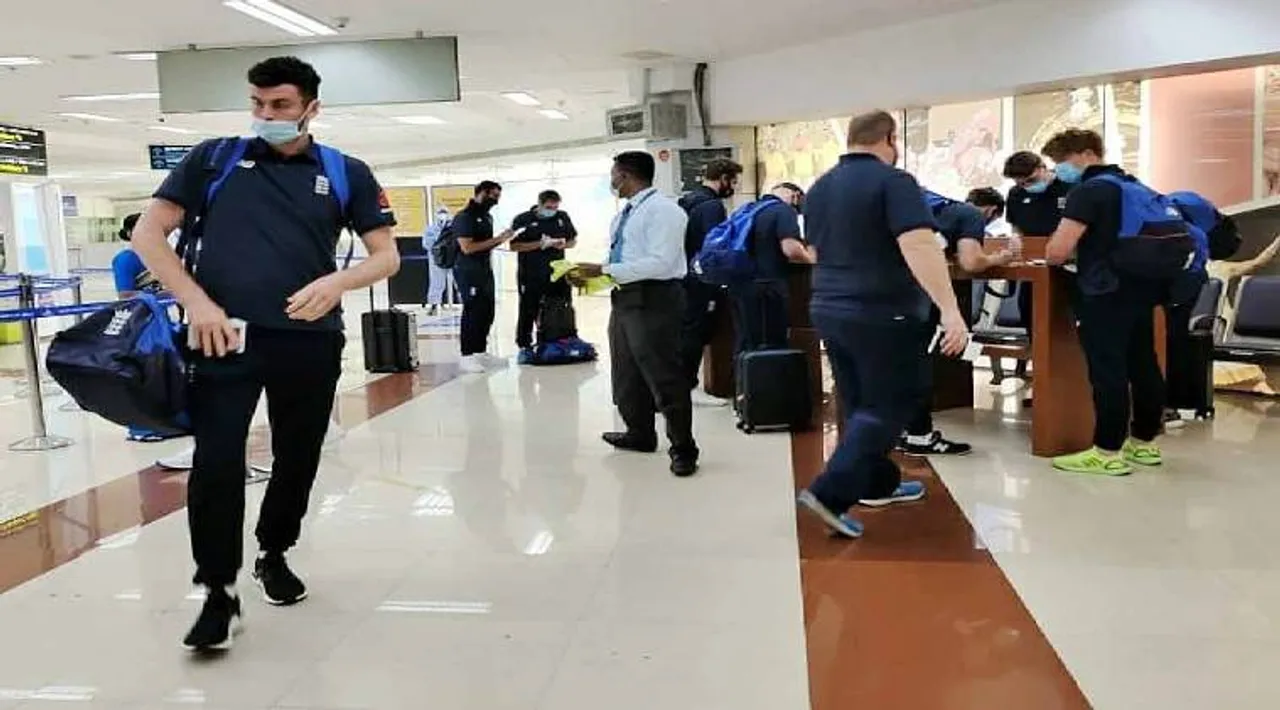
x=1155 y=241
x=1222 y=236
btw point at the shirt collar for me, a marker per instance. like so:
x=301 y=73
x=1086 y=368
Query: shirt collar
x=259 y=149
x=641 y=196
x=851 y=157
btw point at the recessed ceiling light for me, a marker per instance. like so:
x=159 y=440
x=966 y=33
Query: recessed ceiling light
x=419 y=120
x=521 y=98
x=173 y=129
x=91 y=117
x=20 y=61
x=277 y=15
x=138 y=96
x=554 y=114
x=138 y=56
x=319 y=124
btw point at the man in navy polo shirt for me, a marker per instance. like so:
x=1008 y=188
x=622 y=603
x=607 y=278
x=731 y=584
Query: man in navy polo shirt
x=266 y=256
x=878 y=267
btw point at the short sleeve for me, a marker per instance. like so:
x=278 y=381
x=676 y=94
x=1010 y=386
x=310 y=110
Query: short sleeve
x=464 y=225
x=125 y=268
x=969 y=223
x=786 y=224
x=369 y=209
x=905 y=207
x=1086 y=203
x=185 y=185
x=571 y=232
x=526 y=221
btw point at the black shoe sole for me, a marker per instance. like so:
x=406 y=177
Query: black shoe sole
x=636 y=449
x=916 y=455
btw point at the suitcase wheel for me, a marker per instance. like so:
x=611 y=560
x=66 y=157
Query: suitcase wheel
x=1205 y=415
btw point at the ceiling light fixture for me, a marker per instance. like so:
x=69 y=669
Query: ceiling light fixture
x=419 y=120
x=91 y=117
x=138 y=56
x=285 y=18
x=554 y=114
x=137 y=96
x=20 y=61
x=521 y=98
x=173 y=129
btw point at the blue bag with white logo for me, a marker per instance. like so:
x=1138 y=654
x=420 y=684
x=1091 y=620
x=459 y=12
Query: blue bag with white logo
x=1155 y=241
x=1222 y=237
x=123 y=364
x=725 y=257
x=565 y=351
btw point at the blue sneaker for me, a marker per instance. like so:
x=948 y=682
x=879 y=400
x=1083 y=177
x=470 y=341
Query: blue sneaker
x=842 y=525
x=525 y=357
x=907 y=492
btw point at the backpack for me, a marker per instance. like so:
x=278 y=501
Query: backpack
x=1222 y=236
x=566 y=351
x=123 y=364
x=446 y=250
x=937 y=203
x=725 y=257
x=1155 y=241
x=226 y=155
x=556 y=320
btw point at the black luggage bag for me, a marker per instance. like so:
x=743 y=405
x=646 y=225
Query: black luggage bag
x=390 y=341
x=774 y=392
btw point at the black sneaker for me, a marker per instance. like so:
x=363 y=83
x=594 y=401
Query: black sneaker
x=937 y=446
x=684 y=465
x=625 y=441
x=279 y=584
x=219 y=622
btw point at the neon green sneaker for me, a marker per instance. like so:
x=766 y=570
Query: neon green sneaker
x=1142 y=453
x=1094 y=462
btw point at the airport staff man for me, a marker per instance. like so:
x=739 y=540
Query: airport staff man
x=266 y=257
x=647 y=260
x=878 y=268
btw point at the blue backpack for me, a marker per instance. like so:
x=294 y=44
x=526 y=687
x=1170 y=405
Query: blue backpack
x=122 y=364
x=1222 y=237
x=937 y=202
x=226 y=155
x=1155 y=242
x=725 y=257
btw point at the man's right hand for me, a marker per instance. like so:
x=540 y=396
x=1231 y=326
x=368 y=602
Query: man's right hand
x=211 y=329
x=955 y=335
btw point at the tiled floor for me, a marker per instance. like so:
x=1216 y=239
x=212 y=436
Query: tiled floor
x=473 y=544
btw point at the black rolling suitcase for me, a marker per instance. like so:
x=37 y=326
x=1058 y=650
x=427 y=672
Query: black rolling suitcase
x=1196 y=394
x=390 y=341
x=773 y=391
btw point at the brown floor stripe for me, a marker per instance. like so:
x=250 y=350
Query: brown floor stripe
x=916 y=615
x=42 y=540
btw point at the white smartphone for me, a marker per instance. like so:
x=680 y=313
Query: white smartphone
x=242 y=336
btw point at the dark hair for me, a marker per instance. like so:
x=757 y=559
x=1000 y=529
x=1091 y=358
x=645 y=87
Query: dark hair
x=487 y=186
x=126 y=227
x=871 y=128
x=281 y=71
x=722 y=168
x=1073 y=141
x=987 y=197
x=790 y=186
x=548 y=196
x=1022 y=165
x=638 y=164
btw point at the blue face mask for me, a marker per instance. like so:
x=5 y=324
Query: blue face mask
x=1037 y=187
x=1068 y=173
x=276 y=132
x=547 y=214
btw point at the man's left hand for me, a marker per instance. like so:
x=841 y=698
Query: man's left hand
x=316 y=300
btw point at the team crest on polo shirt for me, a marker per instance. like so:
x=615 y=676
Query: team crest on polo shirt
x=322 y=185
x=247 y=164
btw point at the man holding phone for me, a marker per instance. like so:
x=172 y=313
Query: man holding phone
x=266 y=257
x=474 y=273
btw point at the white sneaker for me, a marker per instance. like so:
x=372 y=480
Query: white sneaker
x=702 y=399
x=493 y=362
x=471 y=365
x=179 y=462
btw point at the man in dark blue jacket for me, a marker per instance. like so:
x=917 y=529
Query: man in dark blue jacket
x=703 y=301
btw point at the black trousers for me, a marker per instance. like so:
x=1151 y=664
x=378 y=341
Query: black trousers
x=1186 y=386
x=532 y=290
x=1117 y=333
x=921 y=421
x=479 y=306
x=299 y=371
x=647 y=373
x=704 y=303
x=760 y=316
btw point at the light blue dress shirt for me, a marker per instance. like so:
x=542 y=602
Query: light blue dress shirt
x=647 y=240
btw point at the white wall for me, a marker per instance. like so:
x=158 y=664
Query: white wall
x=994 y=51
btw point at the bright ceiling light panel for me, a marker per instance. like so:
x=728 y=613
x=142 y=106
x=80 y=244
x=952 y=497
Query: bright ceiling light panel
x=554 y=114
x=138 y=96
x=138 y=56
x=20 y=61
x=173 y=129
x=521 y=98
x=285 y=18
x=91 y=117
x=419 y=120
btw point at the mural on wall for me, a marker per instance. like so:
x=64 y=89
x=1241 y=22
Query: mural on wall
x=1271 y=131
x=955 y=148
x=799 y=151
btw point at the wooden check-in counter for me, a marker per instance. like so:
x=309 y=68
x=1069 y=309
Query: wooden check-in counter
x=1062 y=415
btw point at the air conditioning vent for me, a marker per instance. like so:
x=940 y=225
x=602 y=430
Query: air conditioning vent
x=653 y=121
